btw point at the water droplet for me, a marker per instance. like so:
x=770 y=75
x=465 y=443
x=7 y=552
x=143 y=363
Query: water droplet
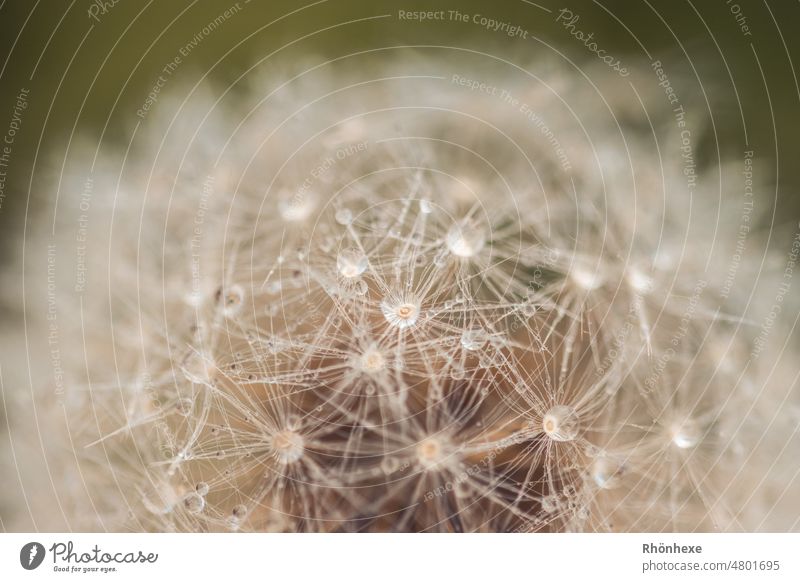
x=194 y=503
x=549 y=503
x=528 y=309
x=198 y=368
x=607 y=472
x=297 y=208
x=230 y=299
x=686 y=435
x=202 y=488
x=344 y=216
x=465 y=239
x=639 y=281
x=425 y=206
x=360 y=288
x=586 y=279
x=457 y=372
x=390 y=464
x=184 y=406
x=351 y=263
x=474 y=339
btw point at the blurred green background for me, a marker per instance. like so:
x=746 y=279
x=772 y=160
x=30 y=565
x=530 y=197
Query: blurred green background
x=89 y=74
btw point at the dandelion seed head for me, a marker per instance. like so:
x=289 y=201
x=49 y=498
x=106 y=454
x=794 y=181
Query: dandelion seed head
x=394 y=330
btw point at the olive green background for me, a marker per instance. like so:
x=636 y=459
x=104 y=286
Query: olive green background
x=89 y=77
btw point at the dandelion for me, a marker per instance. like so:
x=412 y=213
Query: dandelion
x=435 y=327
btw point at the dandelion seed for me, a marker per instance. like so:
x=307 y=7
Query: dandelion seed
x=288 y=446
x=430 y=452
x=401 y=312
x=371 y=361
x=560 y=423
